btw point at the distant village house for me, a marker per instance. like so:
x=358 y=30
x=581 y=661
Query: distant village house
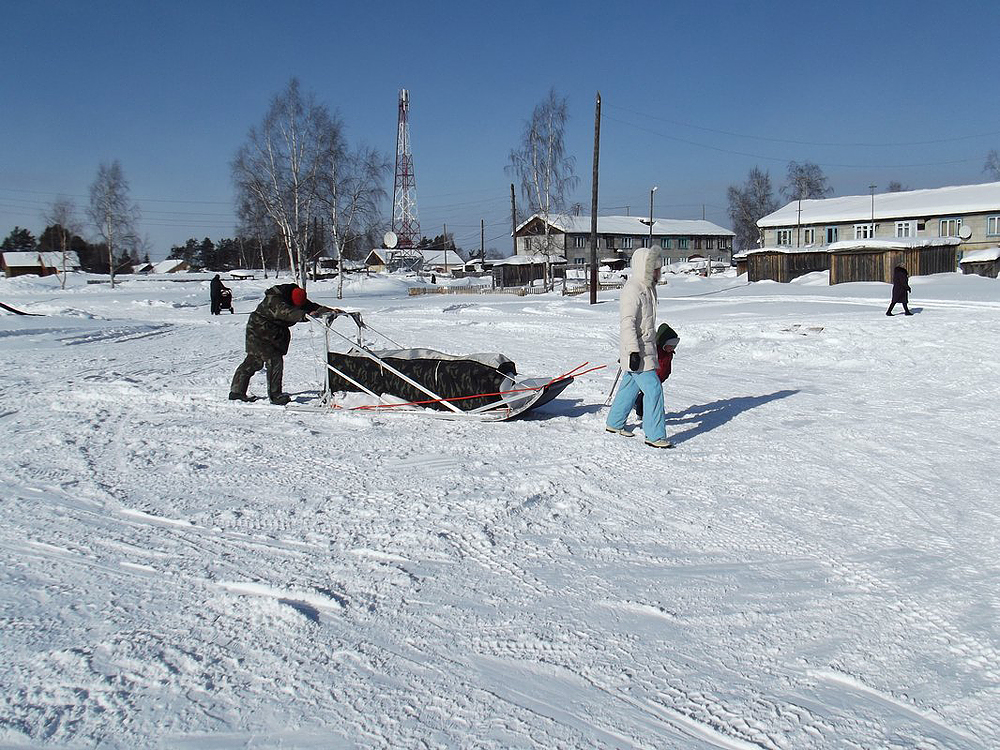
x=39 y=263
x=618 y=236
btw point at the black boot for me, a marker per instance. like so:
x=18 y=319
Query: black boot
x=280 y=399
x=242 y=397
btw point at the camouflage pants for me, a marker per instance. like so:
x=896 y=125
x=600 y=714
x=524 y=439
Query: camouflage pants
x=252 y=364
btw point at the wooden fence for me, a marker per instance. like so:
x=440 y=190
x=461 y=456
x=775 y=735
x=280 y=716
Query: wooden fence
x=520 y=291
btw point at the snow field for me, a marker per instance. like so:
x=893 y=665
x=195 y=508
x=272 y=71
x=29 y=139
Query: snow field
x=814 y=565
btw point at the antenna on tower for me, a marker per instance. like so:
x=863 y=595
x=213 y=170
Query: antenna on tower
x=404 y=190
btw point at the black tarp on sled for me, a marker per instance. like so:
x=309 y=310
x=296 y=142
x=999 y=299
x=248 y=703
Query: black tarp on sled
x=452 y=377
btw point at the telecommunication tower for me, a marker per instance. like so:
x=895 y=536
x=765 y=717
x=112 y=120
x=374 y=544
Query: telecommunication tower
x=404 y=190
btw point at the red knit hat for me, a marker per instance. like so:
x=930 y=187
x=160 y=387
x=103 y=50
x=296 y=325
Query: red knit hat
x=298 y=296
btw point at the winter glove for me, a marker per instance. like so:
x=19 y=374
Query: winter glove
x=634 y=362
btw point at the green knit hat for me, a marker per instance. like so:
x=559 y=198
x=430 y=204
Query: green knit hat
x=666 y=336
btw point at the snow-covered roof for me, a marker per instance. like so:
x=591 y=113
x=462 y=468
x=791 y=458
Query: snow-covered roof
x=441 y=257
x=908 y=204
x=981 y=256
x=523 y=260
x=54 y=259
x=870 y=244
x=168 y=266
x=894 y=244
x=21 y=259
x=787 y=250
x=633 y=226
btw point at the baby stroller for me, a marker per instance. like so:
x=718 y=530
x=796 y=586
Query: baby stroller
x=226 y=300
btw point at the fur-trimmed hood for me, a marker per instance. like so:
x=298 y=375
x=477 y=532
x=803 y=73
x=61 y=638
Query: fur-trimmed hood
x=645 y=261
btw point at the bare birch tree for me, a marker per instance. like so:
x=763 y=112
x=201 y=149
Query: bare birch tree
x=112 y=212
x=805 y=181
x=354 y=212
x=286 y=167
x=541 y=164
x=63 y=216
x=748 y=204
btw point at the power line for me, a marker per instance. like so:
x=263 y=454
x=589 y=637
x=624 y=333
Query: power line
x=785 y=160
x=808 y=143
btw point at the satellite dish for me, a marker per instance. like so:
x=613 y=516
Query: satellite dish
x=389 y=239
x=965 y=232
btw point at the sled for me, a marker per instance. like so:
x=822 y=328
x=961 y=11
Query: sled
x=476 y=387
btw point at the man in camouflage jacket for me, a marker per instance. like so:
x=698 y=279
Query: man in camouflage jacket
x=268 y=336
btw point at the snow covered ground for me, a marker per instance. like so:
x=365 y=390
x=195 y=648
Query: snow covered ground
x=814 y=566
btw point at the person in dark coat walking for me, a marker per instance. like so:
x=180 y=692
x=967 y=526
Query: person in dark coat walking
x=215 y=289
x=267 y=338
x=900 y=290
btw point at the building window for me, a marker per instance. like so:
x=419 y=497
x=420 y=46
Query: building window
x=710 y=243
x=832 y=235
x=864 y=231
x=949 y=227
x=992 y=226
x=784 y=238
x=609 y=243
x=579 y=261
x=580 y=240
x=682 y=243
x=808 y=236
x=905 y=229
x=627 y=243
x=667 y=243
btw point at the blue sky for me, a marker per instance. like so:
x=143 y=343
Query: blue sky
x=694 y=95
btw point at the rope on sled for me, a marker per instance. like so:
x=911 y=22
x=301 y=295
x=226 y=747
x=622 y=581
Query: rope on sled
x=572 y=373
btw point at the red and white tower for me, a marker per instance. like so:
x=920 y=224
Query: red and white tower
x=404 y=190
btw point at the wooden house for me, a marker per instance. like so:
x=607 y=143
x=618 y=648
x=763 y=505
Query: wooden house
x=22 y=264
x=524 y=270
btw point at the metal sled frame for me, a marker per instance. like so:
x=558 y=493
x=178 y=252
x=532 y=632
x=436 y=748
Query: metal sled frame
x=541 y=390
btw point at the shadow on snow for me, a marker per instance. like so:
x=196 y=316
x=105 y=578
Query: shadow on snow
x=706 y=417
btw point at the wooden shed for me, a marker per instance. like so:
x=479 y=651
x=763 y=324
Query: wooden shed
x=15 y=263
x=522 y=270
x=783 y=264
x=981 y=263
x=874 y=260
x=740 y=259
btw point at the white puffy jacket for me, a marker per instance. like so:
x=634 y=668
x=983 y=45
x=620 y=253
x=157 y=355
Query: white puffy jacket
x=638 y=310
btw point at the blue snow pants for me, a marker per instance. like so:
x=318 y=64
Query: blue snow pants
x=653 y=424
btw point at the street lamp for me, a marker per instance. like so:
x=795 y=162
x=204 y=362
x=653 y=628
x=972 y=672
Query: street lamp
x=651 y=214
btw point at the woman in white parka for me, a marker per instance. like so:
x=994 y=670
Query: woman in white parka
x=637 y=352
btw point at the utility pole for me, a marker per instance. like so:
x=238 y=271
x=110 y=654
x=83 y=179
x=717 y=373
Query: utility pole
x=655 y=188
x=593 y=203
x=872 y=189
x=482 y=240
x=513 y=217
x=798 y=224
x=444 y=244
